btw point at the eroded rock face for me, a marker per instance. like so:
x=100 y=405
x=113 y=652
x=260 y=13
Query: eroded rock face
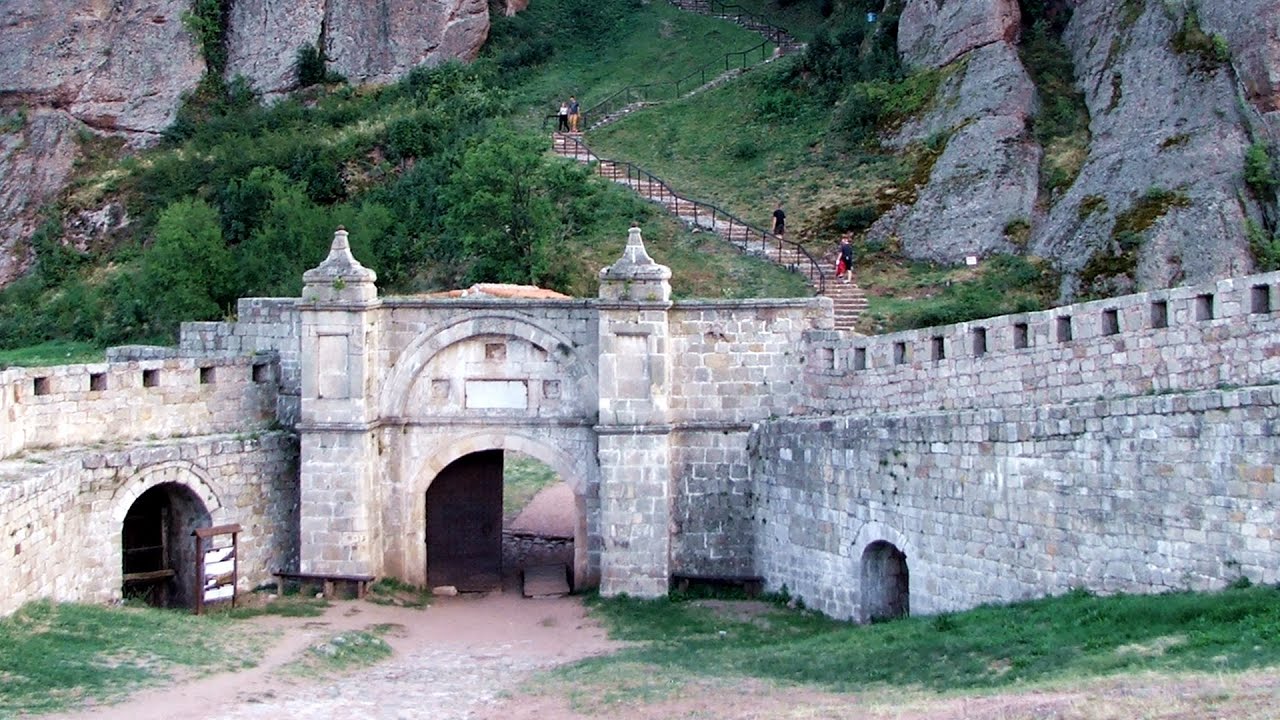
x=1159 y=121
x=1252 y=30
x=263 y=37
x=987 y=177
x=116 y=65
x=934 y=33
x=35 y=161
x=375 y=42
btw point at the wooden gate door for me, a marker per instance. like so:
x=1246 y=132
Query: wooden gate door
x=464 y=524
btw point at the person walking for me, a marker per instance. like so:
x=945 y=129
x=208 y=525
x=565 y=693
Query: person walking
x=844 y=266
x=564 y=118
x=574 y=116
x=779 y=221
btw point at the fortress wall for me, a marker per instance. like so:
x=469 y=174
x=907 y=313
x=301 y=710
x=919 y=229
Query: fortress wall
x=61 y=511
x=262 y=325
x=73 y=405
x=1140 y=494
x=732 y=363
x=1219 y=334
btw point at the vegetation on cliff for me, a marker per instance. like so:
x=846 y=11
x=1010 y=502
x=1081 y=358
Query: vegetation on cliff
x=442 y=178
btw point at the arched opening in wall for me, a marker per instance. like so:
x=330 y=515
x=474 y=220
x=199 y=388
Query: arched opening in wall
x=885 y=583
x=493 y=515
x=157 y=550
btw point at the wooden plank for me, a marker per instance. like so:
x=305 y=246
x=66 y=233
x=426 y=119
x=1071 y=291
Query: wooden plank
x=216 y=530
x=152 y=575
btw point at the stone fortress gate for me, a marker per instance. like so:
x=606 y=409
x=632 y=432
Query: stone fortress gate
x=404 y=401
x=1126 y=444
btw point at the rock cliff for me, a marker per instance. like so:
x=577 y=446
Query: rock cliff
x=69 y=67
x=364 y=41
x=1160 y=198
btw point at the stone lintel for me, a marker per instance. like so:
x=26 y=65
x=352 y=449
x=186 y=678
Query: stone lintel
x=339 y=427
x=655 y=429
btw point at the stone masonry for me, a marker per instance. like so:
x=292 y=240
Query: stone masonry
x=1120 y=445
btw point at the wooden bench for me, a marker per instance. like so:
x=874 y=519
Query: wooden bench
x=752 y=585
x=328 y=581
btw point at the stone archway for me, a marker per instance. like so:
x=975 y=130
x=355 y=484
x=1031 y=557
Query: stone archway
x=886 y=583
x=156 y=545
x=439 y=452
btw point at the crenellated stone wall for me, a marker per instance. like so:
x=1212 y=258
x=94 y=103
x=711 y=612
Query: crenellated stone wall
x=75 y=405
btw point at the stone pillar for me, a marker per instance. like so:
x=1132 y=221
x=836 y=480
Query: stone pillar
x=338 y=413
x=633 y=430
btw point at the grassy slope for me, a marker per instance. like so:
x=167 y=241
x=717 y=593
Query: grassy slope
x=762 y=147
x=1069 y=637
x=662 y=44
x=51 y=353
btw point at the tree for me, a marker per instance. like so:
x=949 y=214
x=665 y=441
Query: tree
x=502 y=210
x=187 y=271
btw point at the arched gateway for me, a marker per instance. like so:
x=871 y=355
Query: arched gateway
x=407 y=404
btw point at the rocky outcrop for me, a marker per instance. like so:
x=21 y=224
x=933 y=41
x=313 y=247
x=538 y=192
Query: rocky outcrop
x=364 y=41
x=934 y=33
x=987 y=176
x=1161 y=121
x=1252 y=31
x=115 y=66
x=37 y=151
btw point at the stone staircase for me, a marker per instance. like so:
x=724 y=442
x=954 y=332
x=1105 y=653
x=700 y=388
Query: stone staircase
x=848 y=299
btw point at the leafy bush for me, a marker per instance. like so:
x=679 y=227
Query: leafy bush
x=310 y=66
x=1208 y=52
x=856 y=218
x=1008 y=284
x=1260 y=170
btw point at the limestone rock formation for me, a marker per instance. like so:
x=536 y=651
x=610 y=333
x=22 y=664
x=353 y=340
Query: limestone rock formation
x=937 y=32
x=115 y=66
x=988 y=175
x=1252 y=31
x=35 y=160
x=365 y=42
x=1161 y=121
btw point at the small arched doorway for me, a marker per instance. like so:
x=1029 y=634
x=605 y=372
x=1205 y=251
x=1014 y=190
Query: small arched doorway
x=885 y=582
x=157 y=549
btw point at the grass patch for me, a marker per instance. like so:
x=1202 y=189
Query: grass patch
x=343 y=652
x=394 y=591
x=53 y=656
x=54 y=352
x=661 y=44
x=297 y=604
x=1071 y=636
x=522 y=478
x=915 y=295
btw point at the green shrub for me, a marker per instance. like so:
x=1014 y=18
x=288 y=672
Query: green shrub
x=856 y=218
x=1207 y=52
x=1260 y=170
x=1008 y=284
x=309 y=65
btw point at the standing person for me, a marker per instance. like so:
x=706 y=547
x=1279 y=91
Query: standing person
x=574 y=117
x=564 y=118
x=779 y=221
x=844 y=268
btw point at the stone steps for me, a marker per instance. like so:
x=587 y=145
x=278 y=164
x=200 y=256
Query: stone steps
x=848 y=299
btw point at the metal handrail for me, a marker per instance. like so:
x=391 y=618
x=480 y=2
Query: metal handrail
x=740 y=233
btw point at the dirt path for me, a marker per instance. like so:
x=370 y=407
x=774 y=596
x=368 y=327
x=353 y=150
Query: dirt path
x=453 y=657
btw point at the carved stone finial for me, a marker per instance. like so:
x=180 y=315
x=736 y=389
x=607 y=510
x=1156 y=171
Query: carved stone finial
x=636 y=275
x=340 y=276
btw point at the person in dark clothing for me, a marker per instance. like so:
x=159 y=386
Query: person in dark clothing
x=564 y=118
x=779 y=221
x=844 y=267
